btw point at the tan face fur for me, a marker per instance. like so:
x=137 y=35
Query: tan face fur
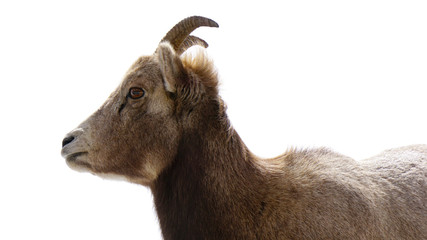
x=133 y=138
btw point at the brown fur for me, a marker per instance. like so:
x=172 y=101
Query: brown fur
x=206 y=184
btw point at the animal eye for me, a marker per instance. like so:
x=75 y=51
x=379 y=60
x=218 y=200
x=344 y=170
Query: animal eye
x=136 y=93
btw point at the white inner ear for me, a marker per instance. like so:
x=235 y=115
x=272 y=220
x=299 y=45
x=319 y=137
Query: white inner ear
x=168 y=86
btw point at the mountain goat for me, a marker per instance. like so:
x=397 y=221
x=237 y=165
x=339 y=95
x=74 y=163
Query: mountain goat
x=166 y=127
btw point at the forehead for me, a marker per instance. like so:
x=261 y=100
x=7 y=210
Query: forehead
x=145 y=71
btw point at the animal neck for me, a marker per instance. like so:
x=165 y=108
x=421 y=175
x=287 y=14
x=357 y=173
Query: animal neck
x=213 y=188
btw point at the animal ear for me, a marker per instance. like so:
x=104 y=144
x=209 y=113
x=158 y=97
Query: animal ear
x=173 y=71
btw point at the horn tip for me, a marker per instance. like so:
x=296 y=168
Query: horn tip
x=208 y=22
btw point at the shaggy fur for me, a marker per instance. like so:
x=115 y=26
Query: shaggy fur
x=206 y=184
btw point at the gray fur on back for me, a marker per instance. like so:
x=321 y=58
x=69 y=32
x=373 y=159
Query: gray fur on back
x=383 y=197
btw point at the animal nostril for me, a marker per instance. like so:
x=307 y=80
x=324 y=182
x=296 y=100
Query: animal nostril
x=67 y=140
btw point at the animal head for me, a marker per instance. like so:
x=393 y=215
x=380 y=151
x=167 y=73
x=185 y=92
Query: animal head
x=135 y=134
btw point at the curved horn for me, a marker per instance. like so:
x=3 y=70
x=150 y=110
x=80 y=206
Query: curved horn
x=191 y=41
x=181 y=30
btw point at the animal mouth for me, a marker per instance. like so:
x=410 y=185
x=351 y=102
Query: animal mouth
x=77 y=162
x=73 y=157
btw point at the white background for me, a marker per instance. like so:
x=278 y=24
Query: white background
x=349 y=75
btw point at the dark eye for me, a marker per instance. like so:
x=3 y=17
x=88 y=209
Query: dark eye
x=136 y=93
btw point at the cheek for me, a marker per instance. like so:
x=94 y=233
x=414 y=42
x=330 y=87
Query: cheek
x=158 y=146
x=109 y=144
x=136 y=149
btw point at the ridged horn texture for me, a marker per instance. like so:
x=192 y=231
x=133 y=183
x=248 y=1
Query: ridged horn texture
x=179 y=37
x=191 y=41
